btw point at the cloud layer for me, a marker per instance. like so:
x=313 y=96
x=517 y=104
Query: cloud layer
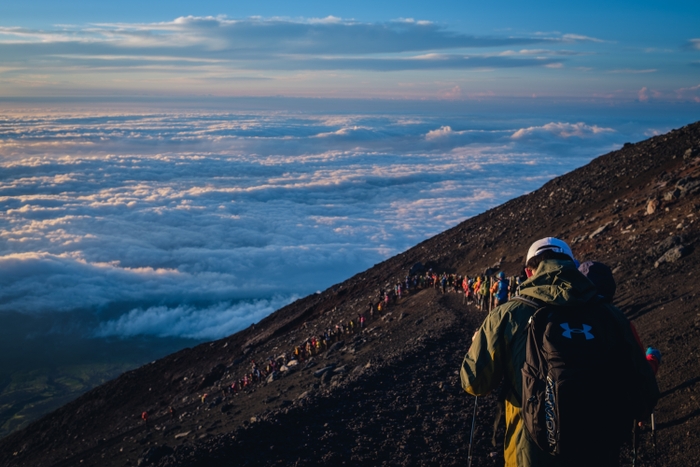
x=197 y=224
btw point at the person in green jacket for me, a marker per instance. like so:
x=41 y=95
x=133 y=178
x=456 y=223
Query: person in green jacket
x=497 y=351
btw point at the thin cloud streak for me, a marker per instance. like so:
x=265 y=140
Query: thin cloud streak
x=274 y=44
x=317 y=57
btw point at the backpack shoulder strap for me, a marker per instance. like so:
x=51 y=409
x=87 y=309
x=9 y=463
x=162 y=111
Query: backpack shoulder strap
x=533 y=302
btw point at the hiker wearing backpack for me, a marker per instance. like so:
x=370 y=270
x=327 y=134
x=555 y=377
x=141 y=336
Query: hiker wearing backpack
x=570 y=411
x=484 y=294
x=602 y=277
x=500 y=289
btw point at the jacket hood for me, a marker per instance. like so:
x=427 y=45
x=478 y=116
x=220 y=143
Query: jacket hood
x=559 y=282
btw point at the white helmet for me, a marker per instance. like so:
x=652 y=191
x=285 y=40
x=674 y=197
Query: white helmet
x=549 y=243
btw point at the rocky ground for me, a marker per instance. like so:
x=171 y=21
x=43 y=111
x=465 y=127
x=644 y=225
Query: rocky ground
x=390 y=394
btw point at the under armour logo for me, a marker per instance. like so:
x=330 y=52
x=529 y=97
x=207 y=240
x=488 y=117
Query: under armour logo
x=568 y=331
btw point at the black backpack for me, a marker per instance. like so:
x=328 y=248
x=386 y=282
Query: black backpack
x=576 y=392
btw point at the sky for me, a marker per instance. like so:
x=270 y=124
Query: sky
x=440 y=50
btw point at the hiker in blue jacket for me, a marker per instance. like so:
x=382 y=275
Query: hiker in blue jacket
x=502 y=290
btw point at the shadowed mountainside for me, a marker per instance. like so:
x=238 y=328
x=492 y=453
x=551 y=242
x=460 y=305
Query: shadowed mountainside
x=392 y=395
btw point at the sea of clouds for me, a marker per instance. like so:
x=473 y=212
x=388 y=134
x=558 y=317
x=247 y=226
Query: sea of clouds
x=197 y=224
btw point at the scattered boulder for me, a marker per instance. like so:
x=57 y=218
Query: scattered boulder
x=688 y=186
x=664 y=246
x=326 y=378
x=600 y=230
x=579 y=239
x=672 y=255
x=652 y=206
x=311 y=363
x=672 y=195
x=337 y=346
x=690 y=153
x=319 y=373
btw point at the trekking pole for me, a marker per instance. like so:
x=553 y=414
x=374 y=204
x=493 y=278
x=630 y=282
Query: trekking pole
x=635 y=445
x=471 y=436
x=653 y=436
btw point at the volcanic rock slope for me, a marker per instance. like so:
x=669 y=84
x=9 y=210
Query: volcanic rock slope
x=389 y=394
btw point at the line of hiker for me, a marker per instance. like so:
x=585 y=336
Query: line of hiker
x=443 y=282
x=387 y=297
x=310 y=347
x=486 y=291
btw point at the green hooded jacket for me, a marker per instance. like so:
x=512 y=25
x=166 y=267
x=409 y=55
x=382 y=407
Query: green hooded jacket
x=497 y=352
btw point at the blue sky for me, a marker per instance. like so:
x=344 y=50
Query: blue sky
x=442 y=50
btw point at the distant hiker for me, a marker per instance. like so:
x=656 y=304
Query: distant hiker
x=513 y=284
x=602 y=277
x=144 y=417
x=204 y=398
x=500 y=289
x=172 y=412
x=483 y=294
x=476 y=287
x=610 y=382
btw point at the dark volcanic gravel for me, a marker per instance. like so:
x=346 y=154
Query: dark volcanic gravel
x=392 y=394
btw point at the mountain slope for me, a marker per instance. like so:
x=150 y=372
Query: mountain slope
x=393 y=396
